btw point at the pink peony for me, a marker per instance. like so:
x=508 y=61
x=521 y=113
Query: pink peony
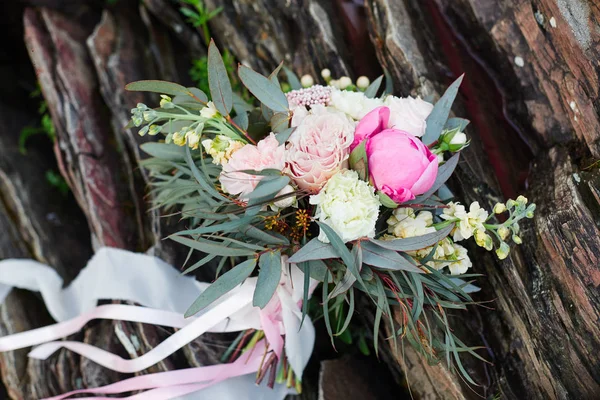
x=319 y=147
x=267 y=154
x=400 y=165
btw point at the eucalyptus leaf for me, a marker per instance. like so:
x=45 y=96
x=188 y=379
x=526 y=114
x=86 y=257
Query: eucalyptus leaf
x=273 y=76
x=373 y=87
x=348 y=279
x=212 y=247
x=283 y=136
x=414 y=243
x=269 y=187
x=292 y=79
x=239 y=104
x=218 y=81
x=314 y=250
x=156 y=86
x=269 y=275
x=389 y=82
x=454 y=123
x=226 y=282
x=223 y=227
x=318 y=270
x=439 y=115
x=241 y=119
x=379 y=257
x=164 y=151
x=280 y=122
x=263 y=89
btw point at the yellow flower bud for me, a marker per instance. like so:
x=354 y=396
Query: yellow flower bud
x=503 y=232
x=499 y=208
x=517 y=239
x=502 y=251
x=179 y=138
x=522 y=200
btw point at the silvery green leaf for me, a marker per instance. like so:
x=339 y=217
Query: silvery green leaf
x=265 y=237
x=373 y=87
x=414 y=243
x=314 y=250
x=206 y=246
x=201 y=179
x=340 y=247
x=269 y=187
x=273 y=76
x=283 y=136
x=318 y=269
x=268 y=278
x=292 y=79
x=164 y=151
x=280 y=122
x=223 y=227
x=239 y=104
x=358 y=161
x=439 y=115
x=348 y=279
x=218 y=81
x=386 y=259
x=263 y=89
x=454 y=123
x=465 y=286
x=389 y=82
x=263 y=172
x=241 y=119
x=174 y=126
x=225 y=283
x=444 y=193
x=156 y=86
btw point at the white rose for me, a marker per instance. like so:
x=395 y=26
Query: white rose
x=348 y=205
x=355 y=104
x=459 y=139
x=408 y=114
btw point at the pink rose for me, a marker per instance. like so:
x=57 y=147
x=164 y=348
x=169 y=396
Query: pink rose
x=319 y=147
x=400 y=165
x=267 y=154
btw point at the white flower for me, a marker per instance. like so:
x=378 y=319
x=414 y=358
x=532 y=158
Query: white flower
x=467 y=223
x=193 y=139
x=221 y=148
x=405 y=223
x=362 y=82
x=408 y=114
x=462 y=261
x=355 y=104
x=326 y=73
x=179 y=137
x=348 y=205
x=344 y=82
x=459 y=138
x=307 y=81
x=210 y=111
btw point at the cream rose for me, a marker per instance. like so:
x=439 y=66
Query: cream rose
x=408 y=114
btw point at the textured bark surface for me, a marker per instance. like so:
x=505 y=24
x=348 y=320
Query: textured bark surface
x=531 y=92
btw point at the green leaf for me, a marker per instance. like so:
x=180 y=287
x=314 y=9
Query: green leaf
x=348 y=279
x=164 y=151
x=292 y=79
x=200 y=263
x=273 y=76
x=263 y=89
x=373 y=87
x=268 y=187
x=268 y=278
x=239 y=104
x=386 y=259
x=439 y=115
x=156 y=86
x=386 y=201
x=318 y=269
x=221 y=286
x=358 y=161
x=212 y=247
x=223 y=227
x=280 y=122
x=414 y=243
x=283 y=136
x=349 y=314
x=454 y=123
x=389 y=82
x=314 y=250
x=218 y=81
x=241 y=119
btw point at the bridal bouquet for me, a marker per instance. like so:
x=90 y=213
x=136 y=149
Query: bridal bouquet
x=335 y=181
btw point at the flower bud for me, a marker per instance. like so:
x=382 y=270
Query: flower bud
x=459 y=139
x=326 y=73
x=137 y=119
x=344 y=82
x=307 y=81
x=530 y=210
x=362 y=82
x=499 y=208
x=193 y=139
x=165 y=102
x=210 y=111
x=149 y=115
x=143 y=131
x=154 y=129
x=285 y=202
x=179 y=137
x=522 y=200
x=510 y=204
x=516 y=239
x=502 y=251
x=483 y=240
x=503 y=232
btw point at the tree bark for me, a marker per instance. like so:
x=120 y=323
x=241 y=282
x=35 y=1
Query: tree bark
x=531 y=92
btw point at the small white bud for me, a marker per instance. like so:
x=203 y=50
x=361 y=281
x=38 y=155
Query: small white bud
x=307 y=81
x=362 y=82
x=459 y=139
x=326 y=73
x=499 y=208
x=345 y=82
